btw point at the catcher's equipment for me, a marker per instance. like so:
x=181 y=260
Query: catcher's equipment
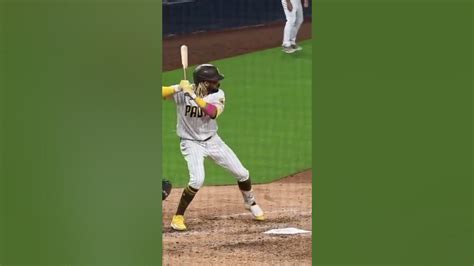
x=166 y=186
x=206 y=72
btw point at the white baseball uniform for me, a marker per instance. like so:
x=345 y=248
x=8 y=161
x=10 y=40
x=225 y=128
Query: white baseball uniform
x=199 y=139
x=294 y=19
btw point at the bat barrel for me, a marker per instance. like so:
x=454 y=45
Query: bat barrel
x=184 y=58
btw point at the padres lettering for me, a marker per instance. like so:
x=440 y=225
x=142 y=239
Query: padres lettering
x=193 y=111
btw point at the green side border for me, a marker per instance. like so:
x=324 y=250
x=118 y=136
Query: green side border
x=422 y=213
x=64 y=200
x=2 y=130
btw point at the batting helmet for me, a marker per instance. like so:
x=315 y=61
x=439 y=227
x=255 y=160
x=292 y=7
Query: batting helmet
x=206 y=72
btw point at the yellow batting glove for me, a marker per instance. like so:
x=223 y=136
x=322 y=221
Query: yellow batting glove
x=183 y=84
x=189 y=91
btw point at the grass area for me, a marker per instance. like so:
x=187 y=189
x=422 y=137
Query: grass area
x=267 y=120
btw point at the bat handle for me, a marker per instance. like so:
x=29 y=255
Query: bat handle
x=184 y=71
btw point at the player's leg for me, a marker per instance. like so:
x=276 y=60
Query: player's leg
x=223 y=155
x=194 y=155
x=290 y=23
x=298 y=22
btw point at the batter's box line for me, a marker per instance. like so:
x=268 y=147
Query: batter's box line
x=289 y=211
x=262 y=226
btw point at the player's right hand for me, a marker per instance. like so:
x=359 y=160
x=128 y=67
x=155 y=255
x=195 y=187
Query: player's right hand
x=183 y=84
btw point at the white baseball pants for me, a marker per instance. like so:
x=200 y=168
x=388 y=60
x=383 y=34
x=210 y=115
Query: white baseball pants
x=194 y=152
x=294 y=19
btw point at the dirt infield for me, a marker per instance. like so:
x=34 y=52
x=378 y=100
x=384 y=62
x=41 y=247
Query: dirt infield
x=208 y=46
x=221 y=231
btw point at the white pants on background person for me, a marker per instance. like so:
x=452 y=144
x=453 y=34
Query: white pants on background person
x=294 y=19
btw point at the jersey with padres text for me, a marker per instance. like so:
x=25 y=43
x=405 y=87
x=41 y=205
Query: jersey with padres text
x=193 y=123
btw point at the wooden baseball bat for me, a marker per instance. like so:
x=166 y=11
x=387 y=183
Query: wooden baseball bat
x=184 y=58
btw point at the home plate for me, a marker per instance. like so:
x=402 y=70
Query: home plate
x=287 y=231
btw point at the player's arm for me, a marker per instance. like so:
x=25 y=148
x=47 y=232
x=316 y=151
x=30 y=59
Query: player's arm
x=211 y=109
x=168 y=91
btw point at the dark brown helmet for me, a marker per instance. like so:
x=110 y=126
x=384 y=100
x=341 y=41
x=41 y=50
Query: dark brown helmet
x=206 y=72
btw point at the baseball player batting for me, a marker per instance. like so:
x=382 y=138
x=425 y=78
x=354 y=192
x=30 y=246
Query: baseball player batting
x=198 y=106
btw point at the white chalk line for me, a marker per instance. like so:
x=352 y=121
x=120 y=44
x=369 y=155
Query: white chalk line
x=263 y=225
x=290 y=211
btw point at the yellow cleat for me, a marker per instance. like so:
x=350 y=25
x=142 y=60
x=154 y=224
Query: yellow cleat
x=256 y=211
x=259 y=218
x=178 y=223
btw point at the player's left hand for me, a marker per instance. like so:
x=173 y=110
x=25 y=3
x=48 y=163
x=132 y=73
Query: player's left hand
x=306 y=3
